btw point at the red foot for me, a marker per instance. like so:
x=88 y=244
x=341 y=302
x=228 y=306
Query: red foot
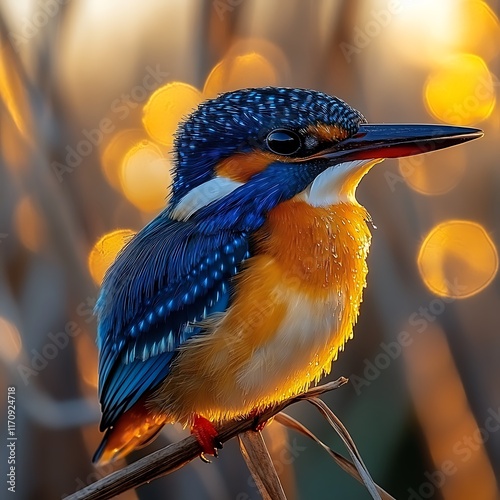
x=206 y=435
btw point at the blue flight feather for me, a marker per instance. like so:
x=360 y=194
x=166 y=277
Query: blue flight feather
x=161 y=284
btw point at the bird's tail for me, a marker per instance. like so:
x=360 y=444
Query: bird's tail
x=134 y=429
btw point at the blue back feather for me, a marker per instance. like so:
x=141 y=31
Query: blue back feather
x=165 y=280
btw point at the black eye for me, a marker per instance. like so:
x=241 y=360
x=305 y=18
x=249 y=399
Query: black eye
x=283 y=142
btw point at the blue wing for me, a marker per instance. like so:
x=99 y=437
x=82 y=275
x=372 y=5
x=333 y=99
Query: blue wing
x=165 y=280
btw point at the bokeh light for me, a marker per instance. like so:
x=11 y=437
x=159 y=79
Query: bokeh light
x=114 y=151
x=145 y=176
x=427 y=32
x=105 y=250
x=247 y=70
x=29 y=225
x=11 y=344
x=165 y=109
x=457 y=259
x=461 y=91
x=272 y=52
x=13 y=92
x=424 y=31
x=478 y=29
x=433 y=174
x=86 y=351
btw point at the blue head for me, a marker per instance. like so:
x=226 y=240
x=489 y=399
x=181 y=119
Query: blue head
x=240 y=154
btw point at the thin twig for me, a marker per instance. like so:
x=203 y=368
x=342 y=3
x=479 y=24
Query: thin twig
x=254 y=451
x=175 y=456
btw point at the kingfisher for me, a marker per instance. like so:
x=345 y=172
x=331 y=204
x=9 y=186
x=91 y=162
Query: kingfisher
x=244 y=289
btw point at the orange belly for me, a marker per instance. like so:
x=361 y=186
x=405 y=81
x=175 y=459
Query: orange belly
x=294 y=308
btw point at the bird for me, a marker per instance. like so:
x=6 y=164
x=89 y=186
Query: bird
x=244 y=289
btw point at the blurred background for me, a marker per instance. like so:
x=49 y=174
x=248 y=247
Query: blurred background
x=90 y=95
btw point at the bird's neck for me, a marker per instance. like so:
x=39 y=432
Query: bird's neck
x=321 y=249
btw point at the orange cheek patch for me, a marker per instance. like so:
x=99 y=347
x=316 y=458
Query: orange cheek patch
x=242 y=166
x=327 y=133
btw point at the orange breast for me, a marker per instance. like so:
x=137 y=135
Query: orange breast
x=294 y=308
x=318 y=248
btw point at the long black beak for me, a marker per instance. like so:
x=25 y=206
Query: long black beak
x=396 y=140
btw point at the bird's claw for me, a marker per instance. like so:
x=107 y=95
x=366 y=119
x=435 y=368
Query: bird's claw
x=207 y=437
x=205 y=459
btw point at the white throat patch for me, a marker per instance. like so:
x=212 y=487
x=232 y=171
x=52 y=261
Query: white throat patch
x=327 y=188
